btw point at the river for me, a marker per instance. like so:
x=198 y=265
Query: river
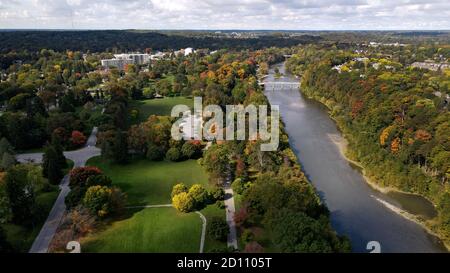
x=357 y=210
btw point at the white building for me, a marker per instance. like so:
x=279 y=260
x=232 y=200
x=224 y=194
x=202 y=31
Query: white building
x=121 y=60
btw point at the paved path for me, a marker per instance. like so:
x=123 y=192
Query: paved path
x=202 y=217
x=79 y=157
x=230 y=210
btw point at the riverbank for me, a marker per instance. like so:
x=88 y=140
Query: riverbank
x=342 y=145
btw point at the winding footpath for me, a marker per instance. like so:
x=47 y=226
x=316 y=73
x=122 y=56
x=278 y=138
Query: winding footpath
x=79 y=157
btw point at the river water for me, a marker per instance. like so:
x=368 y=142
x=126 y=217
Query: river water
x=357 y=210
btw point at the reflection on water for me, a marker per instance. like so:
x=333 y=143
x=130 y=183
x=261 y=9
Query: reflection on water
x=353 y=209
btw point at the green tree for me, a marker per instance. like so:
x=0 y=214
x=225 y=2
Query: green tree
x=21 y=195
x=120 y=152
x=51 y=165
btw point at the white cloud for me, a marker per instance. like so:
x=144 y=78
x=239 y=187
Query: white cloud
x=226 y=14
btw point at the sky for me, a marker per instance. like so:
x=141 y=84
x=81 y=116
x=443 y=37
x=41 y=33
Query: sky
x=226 y=14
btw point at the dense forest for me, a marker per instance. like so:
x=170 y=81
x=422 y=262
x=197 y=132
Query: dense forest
x=123 y=40
x=394 y=116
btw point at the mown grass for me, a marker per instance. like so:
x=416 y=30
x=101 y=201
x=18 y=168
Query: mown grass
x=150 y=183
x=160 y=107
x=149 y=230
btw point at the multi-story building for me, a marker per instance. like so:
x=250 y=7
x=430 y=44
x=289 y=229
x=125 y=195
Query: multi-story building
x=121 y=60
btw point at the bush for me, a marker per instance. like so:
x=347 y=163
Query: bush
x=183 y=202
x=74 y=197
x=77 y=138
x=218 y=194
x=79 y=176
x=98 y=180
x=97 y=200
x=178 y=188
x=220 y=204
x=154 y=152
x=103 y=201
x=173 y=154
x=247 y=236
x=200 y=195
x=190 y=150
x=239 y=185
x=218 y=229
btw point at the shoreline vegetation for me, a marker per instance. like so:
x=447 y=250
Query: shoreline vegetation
x=344 y=151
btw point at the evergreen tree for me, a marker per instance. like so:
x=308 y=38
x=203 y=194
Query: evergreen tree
x=8 y=160
x=51 y=167
x=57 y=145
x=120 y=152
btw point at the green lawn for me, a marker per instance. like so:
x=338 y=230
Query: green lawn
x=149 y=230
x=150 y=182
x=161 y=107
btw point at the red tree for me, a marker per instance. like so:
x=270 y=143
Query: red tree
x=78 y=176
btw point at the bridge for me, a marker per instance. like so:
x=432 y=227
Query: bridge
x=280 y=85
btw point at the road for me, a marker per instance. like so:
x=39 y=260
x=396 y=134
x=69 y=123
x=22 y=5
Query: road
x=79 y=157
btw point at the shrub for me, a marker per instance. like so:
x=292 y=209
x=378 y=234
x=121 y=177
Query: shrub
x=77 y=138
x=100 y=180
x=200 y=195
x=103 y=201
x=74 y=197
x=154 y=152
x=178 y=188
x=220 y=204
x=239 y=185
x=173 y=154
x=79 y=176
x=218 y=229
x=217 y=194
x=183 y=202
x=190 y=150
x=247 y=236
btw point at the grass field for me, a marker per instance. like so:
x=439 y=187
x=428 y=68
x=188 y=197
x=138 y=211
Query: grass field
x=161 y=107
x=149 y=230
x=150 y=182
x=162 y=229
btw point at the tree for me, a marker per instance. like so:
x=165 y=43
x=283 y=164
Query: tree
x=218 y=229
x=183 y=202
x=296 y=232
x=5 y=147
x=5 y=246
x=52 y=168
x=57 y=143
x=120 y=152
x=7 y=161
x=218 y=194
x=178 y=188
x=21 y=195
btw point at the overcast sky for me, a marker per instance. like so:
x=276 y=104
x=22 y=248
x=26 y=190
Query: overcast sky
x=226 y=14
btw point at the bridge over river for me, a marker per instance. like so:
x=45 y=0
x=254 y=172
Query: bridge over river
x=279 y=85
